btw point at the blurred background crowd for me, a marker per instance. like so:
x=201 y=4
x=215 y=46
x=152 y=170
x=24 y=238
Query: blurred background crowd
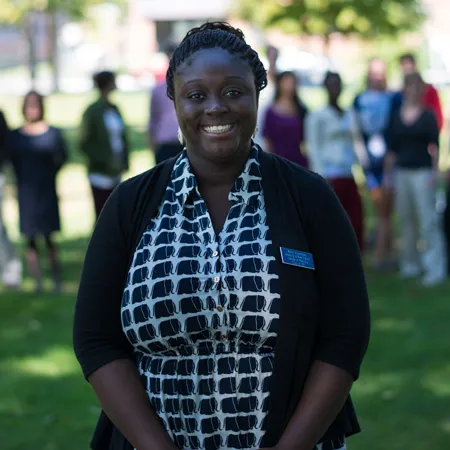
x=358 y=92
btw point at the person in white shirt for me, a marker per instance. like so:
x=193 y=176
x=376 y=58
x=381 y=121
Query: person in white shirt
x=330 y=146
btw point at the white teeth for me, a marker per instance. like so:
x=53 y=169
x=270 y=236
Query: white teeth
x=218 y=129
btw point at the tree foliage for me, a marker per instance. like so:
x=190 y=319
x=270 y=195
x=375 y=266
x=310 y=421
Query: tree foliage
x=15 y=11
x=19 y=14
x=368 y=18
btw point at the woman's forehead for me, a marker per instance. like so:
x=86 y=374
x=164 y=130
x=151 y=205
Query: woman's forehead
x=214 y=60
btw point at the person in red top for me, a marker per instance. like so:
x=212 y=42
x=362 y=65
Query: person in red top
x=430 y=96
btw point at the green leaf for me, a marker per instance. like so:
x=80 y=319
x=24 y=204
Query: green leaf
x=368 y=18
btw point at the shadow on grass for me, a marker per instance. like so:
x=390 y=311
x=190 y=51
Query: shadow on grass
x=402 y=397
x=45 y=403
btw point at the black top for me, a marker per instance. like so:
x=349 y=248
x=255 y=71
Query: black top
x=3 y=140
x=36 y=160
x=410 y=141
x=324 y=313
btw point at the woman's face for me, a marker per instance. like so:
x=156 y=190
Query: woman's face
x=413 y=91
x=377 y=75
x=288 y=85
x=110 y=87
x=216 y=104
x=32 y=109
x=334 y=86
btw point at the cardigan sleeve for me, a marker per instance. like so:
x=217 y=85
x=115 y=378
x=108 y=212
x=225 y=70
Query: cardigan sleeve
x=344 y=318
x=97 y=335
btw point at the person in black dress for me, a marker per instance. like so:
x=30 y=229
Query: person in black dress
x=414 y=139
x=38 y=152
x=201 y=319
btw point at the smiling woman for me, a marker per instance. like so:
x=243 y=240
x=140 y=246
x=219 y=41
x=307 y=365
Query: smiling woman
x=215 y=78
x=214 y=309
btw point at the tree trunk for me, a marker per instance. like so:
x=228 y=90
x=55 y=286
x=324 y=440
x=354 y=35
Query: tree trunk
x=326 y=45
x=29 y=31
x=53 y=54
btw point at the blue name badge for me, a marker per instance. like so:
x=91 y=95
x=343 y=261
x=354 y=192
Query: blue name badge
x=297 y=258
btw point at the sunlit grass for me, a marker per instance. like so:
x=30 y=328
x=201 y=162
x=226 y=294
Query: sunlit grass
x=54 y=362
x=402 y=397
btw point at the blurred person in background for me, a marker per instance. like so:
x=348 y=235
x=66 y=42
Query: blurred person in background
x=447 y=220
x=373 y=112
x=103 y=140
x=329 y=143
x=163 y=124
x=38 y=152
x=414 y=140
x=430 y=98
x=10 y=265
x=266 y=97
x=283 y=127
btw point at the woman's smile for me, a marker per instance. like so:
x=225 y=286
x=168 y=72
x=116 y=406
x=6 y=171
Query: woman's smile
x=222 y=130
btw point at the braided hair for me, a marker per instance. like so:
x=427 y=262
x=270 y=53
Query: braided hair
x=215 y=35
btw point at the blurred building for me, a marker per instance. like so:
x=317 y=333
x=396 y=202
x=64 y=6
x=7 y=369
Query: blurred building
x=132 y=43
x=151 y=23
x=437 y=39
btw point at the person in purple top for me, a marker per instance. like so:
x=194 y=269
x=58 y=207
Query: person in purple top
x=283 y=125
x=163 y=124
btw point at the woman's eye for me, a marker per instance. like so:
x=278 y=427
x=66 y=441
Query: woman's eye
x=233 y=93
x=195 y=96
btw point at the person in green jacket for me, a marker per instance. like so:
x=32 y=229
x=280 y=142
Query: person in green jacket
x=103 y=140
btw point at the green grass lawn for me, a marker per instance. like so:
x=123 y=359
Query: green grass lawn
x=402 y=397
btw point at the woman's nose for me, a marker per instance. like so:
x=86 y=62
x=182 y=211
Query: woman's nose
x=216 y=106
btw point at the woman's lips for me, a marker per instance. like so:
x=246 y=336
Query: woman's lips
x=217 y=130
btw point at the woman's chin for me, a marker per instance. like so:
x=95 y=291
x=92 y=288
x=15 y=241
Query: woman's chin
x=226 y=152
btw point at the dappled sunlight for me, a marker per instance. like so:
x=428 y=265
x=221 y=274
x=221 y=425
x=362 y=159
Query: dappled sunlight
x=396 y=325
x=14 y=332
x=387 y=385
x=437 y=381
x=70 y=287
x=55 y=362
x=445 y=425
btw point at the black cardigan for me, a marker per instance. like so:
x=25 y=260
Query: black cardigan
x=324 y=313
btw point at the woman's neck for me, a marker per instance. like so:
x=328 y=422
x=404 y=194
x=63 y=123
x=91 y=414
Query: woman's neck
x=35 y=128
x=105 y=97
x=334 y=103
x=211 y=174
x=412 y=104
x=284 y=100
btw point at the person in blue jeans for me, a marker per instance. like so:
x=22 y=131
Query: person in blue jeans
x=373 y=111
